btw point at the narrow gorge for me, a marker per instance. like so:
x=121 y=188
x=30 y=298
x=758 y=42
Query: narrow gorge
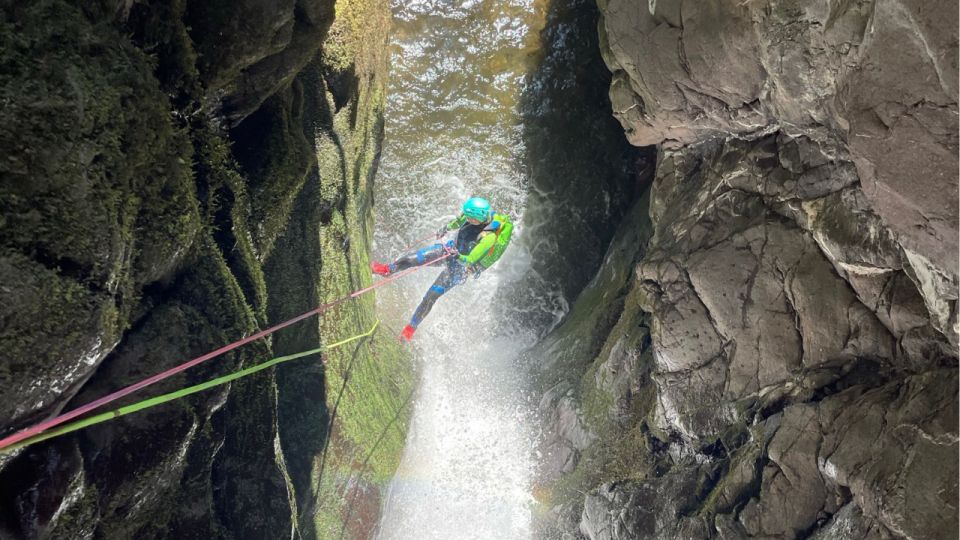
x=729 y=309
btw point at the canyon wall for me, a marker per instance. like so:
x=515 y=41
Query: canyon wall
x=770 y=348
x=176 y=176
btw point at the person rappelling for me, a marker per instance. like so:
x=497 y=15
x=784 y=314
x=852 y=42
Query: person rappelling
x=482 y=236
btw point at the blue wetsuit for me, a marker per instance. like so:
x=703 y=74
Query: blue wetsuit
x=454 y=272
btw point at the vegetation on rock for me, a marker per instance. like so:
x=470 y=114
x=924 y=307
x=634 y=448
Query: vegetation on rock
x=178 y=175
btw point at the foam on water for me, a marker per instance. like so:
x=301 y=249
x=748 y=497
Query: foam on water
x=453 y=131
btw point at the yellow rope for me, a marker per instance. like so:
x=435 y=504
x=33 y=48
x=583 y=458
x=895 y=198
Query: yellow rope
x=154 y=401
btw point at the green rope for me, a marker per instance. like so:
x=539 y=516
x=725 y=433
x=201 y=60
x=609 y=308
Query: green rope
x=154 y=401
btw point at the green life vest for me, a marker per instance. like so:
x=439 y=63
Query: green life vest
x=491 y=242
x=502 y=228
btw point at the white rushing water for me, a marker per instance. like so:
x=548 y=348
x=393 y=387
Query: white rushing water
x=453 y=132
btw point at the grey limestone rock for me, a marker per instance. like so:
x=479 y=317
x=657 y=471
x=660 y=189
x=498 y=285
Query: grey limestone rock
x=800 y=285
x=565 y=434
x=876 y=76
x=646 y=509
x=849 y=523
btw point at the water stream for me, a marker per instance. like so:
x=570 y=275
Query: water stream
x=453 y=130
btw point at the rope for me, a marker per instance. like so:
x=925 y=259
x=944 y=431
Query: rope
x=153 y=402
x=56 y=421
x=366 y=460
x=311 y=506
x=418 y=241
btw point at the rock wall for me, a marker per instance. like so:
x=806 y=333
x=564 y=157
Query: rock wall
x=582 y=175
x=780 y=359
x=177 y=175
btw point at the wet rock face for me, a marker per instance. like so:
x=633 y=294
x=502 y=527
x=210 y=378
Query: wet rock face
x=812 y=383
x=878 y=76
x=582 y=174
x=755 y=296
x=159 y=197
x=249 y=50
x=799 y=289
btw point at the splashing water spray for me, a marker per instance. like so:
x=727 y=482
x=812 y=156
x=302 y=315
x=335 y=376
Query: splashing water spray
x=453 y=131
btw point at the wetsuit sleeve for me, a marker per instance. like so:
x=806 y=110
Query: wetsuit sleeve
x=483 y=246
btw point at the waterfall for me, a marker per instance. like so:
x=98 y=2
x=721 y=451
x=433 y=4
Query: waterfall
x=453 y=130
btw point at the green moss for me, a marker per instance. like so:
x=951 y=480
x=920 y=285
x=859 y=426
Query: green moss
x=167 y=225
x=723 y=496
x=608 y=314
x=378 y=383
x=161 y=29
x=621 y=450
x=287 y=479
x=585 y=335
x=370 y=432
x=588 y=332
x=226 y=39
x=227 y=210
x=356 y=40
x=79 y=515
x=629 y=333
x=276 y=158
x=88 y=139
x=47 y=304
x=372 y=399
x=197 y=489
x=97 y=192
x=148 y=469
x=119 y=179
x=373 y=416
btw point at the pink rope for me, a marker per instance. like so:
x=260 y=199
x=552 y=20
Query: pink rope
x=431 y=236
x=45 y=425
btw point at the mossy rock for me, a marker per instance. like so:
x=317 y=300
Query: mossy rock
x=227 y=205
x=91 y=154
x=96 y=189
x=302 y=416
x=276 y=157
x=36 y=303
x=606 y=317
x=37 y=483
x=126 y=216
x=251 y=49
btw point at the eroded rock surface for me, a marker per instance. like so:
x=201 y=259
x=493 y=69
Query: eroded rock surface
x=786 y=348
x=876 y=78
x=172 y=174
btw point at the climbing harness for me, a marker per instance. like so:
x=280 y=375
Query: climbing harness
x=37 y=429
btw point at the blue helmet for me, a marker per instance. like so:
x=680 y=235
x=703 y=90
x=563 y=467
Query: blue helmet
x=477 y=208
